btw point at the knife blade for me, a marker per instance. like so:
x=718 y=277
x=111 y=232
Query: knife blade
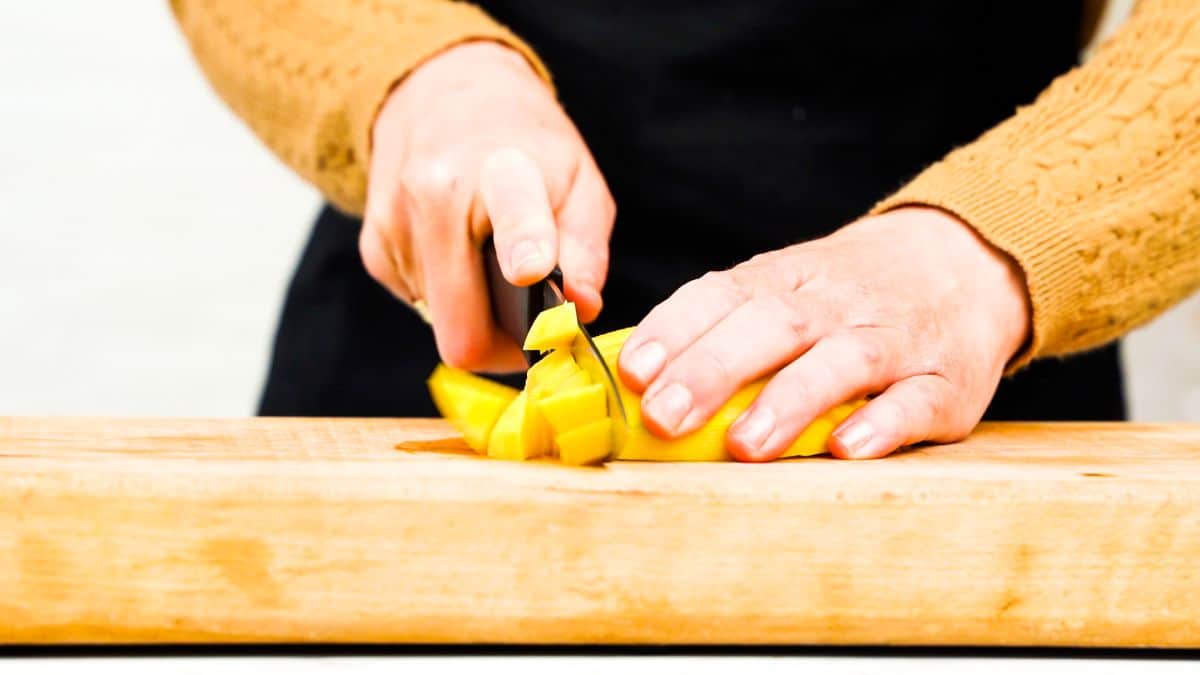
x=514 y=309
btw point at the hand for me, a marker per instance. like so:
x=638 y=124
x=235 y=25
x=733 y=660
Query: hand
x=911 y=305
x=474 y=142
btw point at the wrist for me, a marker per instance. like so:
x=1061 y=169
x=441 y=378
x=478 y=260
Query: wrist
x=999 y=280
x=468 y=60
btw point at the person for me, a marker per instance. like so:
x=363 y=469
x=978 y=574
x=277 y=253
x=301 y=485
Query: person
x=736 y=137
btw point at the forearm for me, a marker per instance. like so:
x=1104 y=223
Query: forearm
x=1095 y=188
x=308 y=77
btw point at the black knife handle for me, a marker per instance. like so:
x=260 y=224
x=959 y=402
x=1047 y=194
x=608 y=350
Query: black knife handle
x=515 y=307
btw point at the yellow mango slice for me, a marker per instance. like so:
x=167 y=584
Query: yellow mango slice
x=471 y=403
x=517 y=434
x=575 y=381
x=549 y=374
x=587 y=444
x=556 y=372
x=554 y=328
x=565 y=407
x=571 y=408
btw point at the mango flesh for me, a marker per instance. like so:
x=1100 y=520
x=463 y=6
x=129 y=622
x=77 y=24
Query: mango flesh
x=574 y=407
x=471 y=403
x=551 y=374
x=565 y=408
x=585 y=444
x=554 y=328
x=518 y=434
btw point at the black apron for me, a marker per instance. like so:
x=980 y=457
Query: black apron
x=724 y=128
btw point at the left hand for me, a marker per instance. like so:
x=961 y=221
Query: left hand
x=911 y=305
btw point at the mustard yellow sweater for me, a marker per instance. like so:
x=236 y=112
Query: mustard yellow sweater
x=1094 y=188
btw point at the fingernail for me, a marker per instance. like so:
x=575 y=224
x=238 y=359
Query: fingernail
x=753 y=429
x=855 y=438
x=527 y=257
x=669 y=406
x=645 y=361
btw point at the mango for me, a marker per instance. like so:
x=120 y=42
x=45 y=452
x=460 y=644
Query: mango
x=548 y=375
x=586 y=444
x=574 y=407
x=555 y=328
x=566 y=407
x=517 y=434
x=706 y=444
x=471 y=403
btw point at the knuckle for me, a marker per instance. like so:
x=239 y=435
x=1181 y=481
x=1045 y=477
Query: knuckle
x=726 y=282
x=713 y=364
x=505 y=159
x=609 y=210
x=433 y=179
x=374 y=258
x=711 y=279
x=929 y=402
x=379 y=214
x=933 y=406
x=385 y=209
x=870 y=351
x=745 y=278
x=796 y=320
x=760 y=259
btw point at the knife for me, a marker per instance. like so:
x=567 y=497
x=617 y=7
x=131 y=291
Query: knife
x=515 y=307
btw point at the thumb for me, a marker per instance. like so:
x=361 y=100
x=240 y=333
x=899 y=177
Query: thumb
x=514 y=196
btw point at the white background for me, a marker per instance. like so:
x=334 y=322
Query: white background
x=145 y=242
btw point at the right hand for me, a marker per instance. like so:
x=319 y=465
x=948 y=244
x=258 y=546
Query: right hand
x=472 y=142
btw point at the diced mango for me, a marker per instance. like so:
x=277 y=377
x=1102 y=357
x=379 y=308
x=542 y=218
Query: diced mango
x=566 y=407
x=471 y=403
x=517 y=434
x=548 y=374
x=575 y=381
x=554 y=328
x=571 y=408
x=587 y=444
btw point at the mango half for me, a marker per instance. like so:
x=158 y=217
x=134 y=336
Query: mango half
x=564 y=411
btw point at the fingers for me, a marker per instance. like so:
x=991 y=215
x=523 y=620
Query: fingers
x=514 y=195
x=674 y=324
x=919 y=408
x=438 y=226
x=379 y=259
x=585 y=225
x=757 y=337
x=457 y=297
x=839 y=368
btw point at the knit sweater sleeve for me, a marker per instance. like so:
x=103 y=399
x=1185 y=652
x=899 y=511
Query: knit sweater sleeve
x=1094 y=189
x=308 y=76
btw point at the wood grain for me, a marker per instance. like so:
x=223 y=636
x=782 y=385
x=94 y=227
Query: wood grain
x=286 y=530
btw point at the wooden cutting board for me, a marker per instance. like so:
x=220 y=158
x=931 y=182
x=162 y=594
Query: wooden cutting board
x=287 y=530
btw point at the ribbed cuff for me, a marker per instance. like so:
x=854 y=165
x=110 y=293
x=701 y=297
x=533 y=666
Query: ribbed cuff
x=1043 y=244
